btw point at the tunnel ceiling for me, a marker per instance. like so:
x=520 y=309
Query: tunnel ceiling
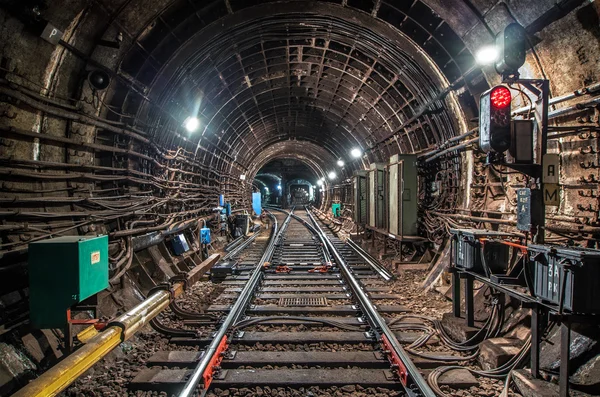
x=336 y=75
x=289 y=169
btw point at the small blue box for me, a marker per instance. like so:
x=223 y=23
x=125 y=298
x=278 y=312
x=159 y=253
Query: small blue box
x=221 y=200
x=205 y=235
x=228 y=209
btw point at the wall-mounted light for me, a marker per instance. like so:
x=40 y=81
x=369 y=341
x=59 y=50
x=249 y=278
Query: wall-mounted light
x=278 y=187
x=487 y=55
x=266 y=189
x=356 y=152
x=191 y=124
x=331 y=175
x=340 y=163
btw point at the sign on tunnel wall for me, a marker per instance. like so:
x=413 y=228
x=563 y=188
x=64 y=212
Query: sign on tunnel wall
x=256 y=203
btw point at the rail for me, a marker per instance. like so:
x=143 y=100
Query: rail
x=382 y=271
x=414 y=383
x=212 y=356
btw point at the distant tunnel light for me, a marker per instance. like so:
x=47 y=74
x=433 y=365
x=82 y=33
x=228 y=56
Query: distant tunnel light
x=331 y=175
x=487 y=55
x=278 y=187
x=320 y=182
x=356 y=152
x=340 y=163
x=191 y=124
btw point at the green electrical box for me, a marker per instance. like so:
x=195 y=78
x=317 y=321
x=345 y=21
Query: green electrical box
x=336 y=208
x=64 y=271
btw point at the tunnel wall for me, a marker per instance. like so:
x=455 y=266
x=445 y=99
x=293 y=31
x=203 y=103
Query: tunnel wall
x=66 y=173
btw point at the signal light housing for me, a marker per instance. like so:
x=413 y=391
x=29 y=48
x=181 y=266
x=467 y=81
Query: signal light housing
x=512 y=47
x=494 y=120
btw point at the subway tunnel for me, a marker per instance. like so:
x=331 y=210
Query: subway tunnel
x=149 y=121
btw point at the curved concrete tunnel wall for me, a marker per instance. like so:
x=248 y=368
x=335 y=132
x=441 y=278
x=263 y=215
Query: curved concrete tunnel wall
x=390 y=77
x=418 y=91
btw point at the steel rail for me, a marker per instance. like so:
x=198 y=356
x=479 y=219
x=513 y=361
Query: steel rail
x=326 y=254
x=238 y=309
x=383 y=272
x=416 y=385
x=240 y=247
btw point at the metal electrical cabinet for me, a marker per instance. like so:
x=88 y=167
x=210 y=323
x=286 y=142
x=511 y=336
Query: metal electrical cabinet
x=377 y=196
x=64 y=271
x=395 y=192
x=361 y=195
x=567 y=276
x=403 y=195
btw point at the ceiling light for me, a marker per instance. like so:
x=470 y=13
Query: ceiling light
x=320 y=182
x=332 y=175
x=340 y=163
x=356 y=152
x=191 y=124
x=487 y=55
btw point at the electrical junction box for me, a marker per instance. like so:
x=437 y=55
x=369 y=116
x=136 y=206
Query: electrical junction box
x=336 y=209
x=64 y=271
x=469 y=253
x=242 y=225
x=180 y=244
x=529 y=208
x=220 y=271
x=205 y=235
x=521 y=143
x=567 y=276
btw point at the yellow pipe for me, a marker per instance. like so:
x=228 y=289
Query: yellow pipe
x=59 y=377
x=87 y=334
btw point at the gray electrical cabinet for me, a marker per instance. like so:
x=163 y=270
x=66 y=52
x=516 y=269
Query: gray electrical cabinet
x=377 y=196
x=361 y=196
x=402 y=195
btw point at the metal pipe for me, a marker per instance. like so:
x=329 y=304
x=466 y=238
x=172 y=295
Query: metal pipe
x=59 y=377
x=453 y=148
x=475 y=218
x=448 y=142
x=577 y=93
x=577 y=106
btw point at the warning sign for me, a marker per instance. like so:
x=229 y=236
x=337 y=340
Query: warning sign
x=551 y=194
x=95 y=257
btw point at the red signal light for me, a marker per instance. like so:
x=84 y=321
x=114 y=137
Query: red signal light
x=500 y=97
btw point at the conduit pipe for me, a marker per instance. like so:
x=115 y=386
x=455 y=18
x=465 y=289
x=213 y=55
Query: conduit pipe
x=59 y=377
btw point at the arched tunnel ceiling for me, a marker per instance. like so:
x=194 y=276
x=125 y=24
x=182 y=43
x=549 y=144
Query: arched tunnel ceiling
x=316 y=158
x=336 y=75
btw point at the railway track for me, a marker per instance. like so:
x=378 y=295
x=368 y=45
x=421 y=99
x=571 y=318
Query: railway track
x=302 y=309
